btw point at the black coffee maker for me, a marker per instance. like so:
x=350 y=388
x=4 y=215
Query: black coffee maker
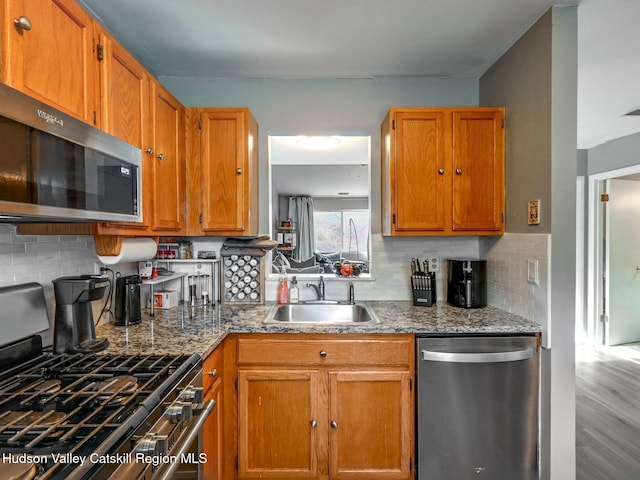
x=74 y=330
x=467 y=283
x=128 y=310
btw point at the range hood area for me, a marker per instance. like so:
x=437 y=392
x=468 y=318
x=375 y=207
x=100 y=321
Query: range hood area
x=54 y=168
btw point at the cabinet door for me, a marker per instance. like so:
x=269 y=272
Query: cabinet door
x=212 y=439
x=280 y=423
x=54 y=61
x=126 y=115
x=168 y=172
x=370 y=425
x=419 y=172
x=478 y=164
x=224 y=171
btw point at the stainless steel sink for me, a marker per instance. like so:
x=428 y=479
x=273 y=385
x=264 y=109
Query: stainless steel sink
x=323 y=314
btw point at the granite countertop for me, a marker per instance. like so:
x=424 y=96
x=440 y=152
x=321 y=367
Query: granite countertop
x=201 y=330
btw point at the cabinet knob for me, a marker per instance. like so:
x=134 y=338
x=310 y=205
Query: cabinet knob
x=314 y=424
x=441 y=171
x=160 y=156
x=149 y=150
x=23 y=22
x=323 y=353
x=334 y=424
x=238 y=171
x=213 y=373
x=459 y=171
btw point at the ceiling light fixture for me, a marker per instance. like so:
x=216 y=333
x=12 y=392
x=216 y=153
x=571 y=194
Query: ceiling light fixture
x=318 y=142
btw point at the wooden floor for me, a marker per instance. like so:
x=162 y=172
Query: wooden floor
x=608 y=412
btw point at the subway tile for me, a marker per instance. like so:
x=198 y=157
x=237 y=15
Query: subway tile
x=9 y=248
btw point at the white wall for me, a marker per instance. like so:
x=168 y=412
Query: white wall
x=536 y=80
x=616 y=154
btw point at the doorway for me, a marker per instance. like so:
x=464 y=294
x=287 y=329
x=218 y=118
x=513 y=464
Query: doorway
x=613 y=280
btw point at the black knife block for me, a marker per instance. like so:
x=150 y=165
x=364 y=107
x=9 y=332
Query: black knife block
x=424 y=289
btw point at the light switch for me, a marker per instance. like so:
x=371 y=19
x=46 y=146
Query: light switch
x=532 y=272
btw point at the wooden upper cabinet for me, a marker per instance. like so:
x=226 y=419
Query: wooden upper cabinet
x=168 y=162
x=126 y=114
x=443 y=171
x=55 y=60
x=224 y=143
x=478 y=165
x=419 y=187
x=124 y=88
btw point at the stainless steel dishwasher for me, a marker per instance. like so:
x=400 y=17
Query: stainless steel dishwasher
x=477 y=408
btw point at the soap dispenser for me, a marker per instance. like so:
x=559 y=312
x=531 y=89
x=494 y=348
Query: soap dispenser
x=294 y=292
x=283 y=287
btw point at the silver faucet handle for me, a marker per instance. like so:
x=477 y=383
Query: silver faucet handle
x=352 y=295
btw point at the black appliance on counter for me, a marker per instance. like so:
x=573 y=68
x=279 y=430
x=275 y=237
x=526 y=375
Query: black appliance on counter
x=103 y=409
x=127 y=309
x=74 y=329
x=467 y=283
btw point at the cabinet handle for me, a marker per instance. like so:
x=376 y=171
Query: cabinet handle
x=334 y=424
x=213 y=373
x=459 y=171
x=314 y=424
x=149 y=150
x=23 y=22
x=160 y=157
x=238 y=171
x=441 y=171
x=323 y=353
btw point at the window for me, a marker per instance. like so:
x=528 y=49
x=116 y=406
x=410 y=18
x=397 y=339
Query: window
x=344 y=232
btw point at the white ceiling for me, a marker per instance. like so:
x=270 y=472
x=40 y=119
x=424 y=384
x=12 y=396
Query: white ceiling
x=375 y=38
x=608 y=70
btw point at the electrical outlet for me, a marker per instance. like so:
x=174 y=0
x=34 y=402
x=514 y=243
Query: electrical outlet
x=434 y=261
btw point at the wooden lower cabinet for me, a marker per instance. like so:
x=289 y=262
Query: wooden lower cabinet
x=212 y=437
x=370 y=424
x=318 y=416
x=279 y=414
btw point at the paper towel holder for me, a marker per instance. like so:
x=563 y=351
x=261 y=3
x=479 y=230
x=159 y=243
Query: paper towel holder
x=111 y=245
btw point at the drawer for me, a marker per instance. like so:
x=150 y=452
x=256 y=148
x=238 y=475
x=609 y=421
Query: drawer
x=332 y=351
x=212 y=368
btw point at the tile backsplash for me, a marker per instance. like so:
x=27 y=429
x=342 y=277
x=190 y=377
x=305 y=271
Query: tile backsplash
x=508 y=287
x=43 y=258
x=31 y=258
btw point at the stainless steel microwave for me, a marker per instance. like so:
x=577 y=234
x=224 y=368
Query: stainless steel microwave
x=54 y=167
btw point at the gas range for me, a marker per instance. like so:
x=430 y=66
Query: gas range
x=85 y=416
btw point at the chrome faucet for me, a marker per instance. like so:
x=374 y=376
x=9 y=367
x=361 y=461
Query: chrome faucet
x=319 y=289
x=352 y=295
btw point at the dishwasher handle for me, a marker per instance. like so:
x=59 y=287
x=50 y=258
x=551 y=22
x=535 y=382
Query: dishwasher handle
x=489 y=357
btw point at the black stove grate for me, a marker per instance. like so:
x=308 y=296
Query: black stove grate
x=78 y=403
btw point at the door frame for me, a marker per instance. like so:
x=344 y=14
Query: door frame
x=593 y=329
